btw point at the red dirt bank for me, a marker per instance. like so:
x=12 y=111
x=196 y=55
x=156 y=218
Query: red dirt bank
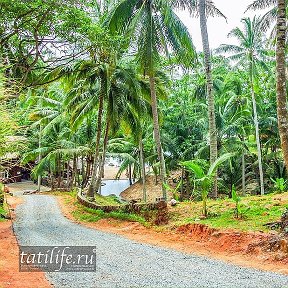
x=9 y=267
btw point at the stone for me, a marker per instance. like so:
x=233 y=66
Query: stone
x=284 y=245
x=173 y=202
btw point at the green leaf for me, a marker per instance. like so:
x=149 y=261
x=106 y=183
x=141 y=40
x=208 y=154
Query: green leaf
x=191 y=166
x=218 y=162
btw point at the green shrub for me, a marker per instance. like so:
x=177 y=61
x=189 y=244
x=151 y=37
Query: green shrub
x=279 y=184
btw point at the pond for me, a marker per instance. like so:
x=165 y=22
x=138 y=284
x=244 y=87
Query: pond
x=114 y=187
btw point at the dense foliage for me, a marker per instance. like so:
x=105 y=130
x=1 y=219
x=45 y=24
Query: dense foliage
x=82 y=80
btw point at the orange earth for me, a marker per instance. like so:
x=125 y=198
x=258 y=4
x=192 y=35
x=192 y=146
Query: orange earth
x=9 y=261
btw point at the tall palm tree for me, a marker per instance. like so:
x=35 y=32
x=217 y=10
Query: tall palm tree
x=278 y=14
x=58 y=144
x=114 y=89
x=281 y=78
x=154 y=28
x=203 y=9
x=249 y=52
x=209 y=87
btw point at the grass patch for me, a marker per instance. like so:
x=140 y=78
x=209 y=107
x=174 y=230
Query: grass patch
x=107 y=200
x=99 y=199
x=82 y=213
x=85 y=214
x=3 y=211
x=254 y=212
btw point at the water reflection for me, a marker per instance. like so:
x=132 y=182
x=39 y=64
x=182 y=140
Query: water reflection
x=114 y=187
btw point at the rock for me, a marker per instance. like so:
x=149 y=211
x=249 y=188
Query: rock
x=29 y=192
x=284 y=245
x=284 y=223
x=173 y=202
x=5 y=216
x=217 y=234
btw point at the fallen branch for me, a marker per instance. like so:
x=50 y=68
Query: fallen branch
x=273 y=225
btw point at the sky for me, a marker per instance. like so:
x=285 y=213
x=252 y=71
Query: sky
x=217 y=27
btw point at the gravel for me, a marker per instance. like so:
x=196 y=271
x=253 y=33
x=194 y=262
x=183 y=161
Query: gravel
x=125 y=263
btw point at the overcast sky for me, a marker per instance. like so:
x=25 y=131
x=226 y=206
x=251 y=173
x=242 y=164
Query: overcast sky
x=217 y=27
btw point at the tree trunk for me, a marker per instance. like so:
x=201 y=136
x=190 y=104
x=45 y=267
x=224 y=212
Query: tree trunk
x=78 y=173
x=256 y=129
x=102 y=159
x=59 y=171
x=157 y=136
x=209 y=87
x=243 y=174
x=88 y=171
x=39 y=159
x=93 y=185
x=281 y=80
x=142 y=165
x=82 y=172
x=130 y=174
x=68 y=174
x=73 y=177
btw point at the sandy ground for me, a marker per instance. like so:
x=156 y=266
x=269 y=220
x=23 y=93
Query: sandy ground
x=110 y=173
x=227 y=245
x=153 y=191
x=9 y=267
x=19 y=187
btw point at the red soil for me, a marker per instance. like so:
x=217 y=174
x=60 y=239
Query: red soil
x=9 y=267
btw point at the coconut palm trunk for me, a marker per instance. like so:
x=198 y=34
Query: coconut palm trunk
x=256 y=123
x=142 y=165
x=73 y=177
x=102 y=158
x=93 y=185
x=157 y=136
x=39 y=159
x=281 y=88
x=209 y=87
x=243 y=173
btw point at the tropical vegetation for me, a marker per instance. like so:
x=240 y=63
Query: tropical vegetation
x=83 y=81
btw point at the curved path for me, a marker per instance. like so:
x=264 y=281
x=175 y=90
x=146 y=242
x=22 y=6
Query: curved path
x=124 y=263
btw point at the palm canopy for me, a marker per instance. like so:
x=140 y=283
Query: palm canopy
x=270 y=16
x=153 y=28
x=251 y=44
x=261 y=4
x=124 y=91
x=193 y=7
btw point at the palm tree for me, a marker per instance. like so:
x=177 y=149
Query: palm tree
x=249 y=52
x=209 y=87
x=115 y=89
x=154 y=29
x=58 y=144
x=269 y=17
x=204 y=8
x=281 y=78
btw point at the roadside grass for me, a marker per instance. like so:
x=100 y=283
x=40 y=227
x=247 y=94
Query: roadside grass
x=85 y=214
x=254 y=212
x=3 y=211
x=99 y=199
